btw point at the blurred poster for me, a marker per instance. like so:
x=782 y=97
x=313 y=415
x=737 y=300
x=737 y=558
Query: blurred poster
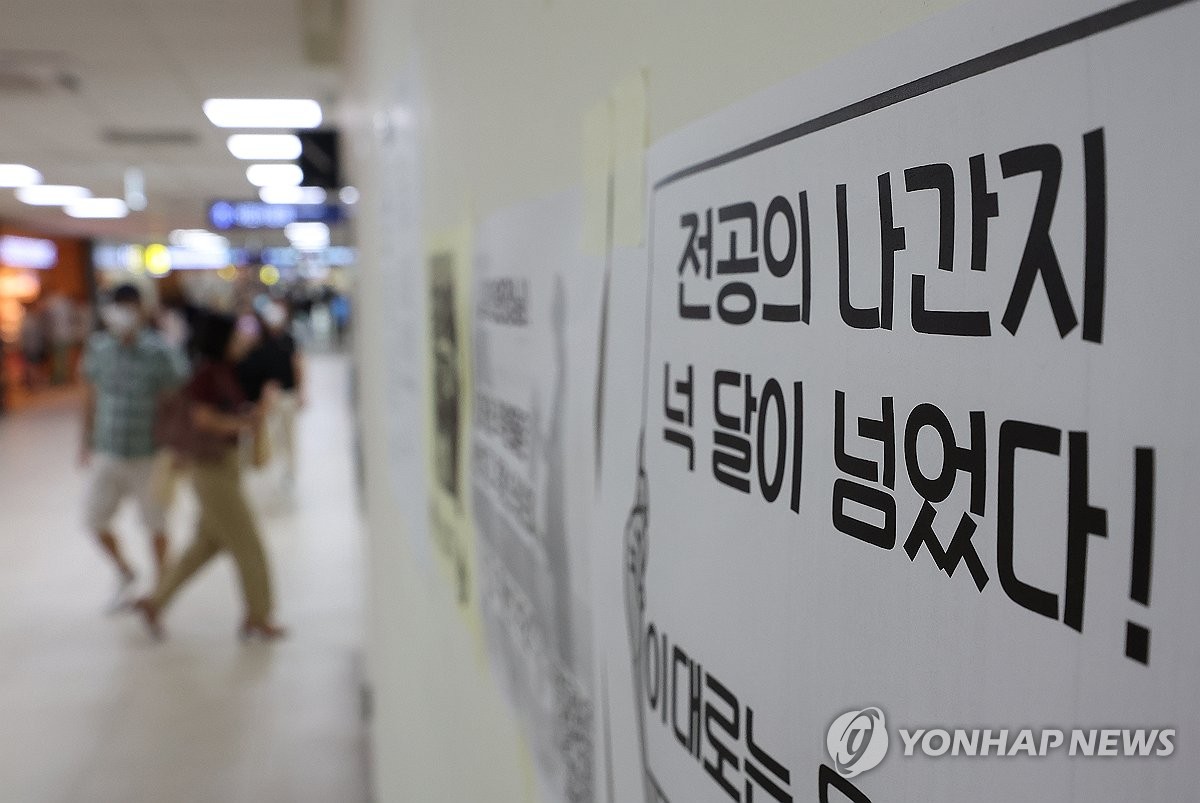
x=897 y=496
x=448 y=286
x=536 y=305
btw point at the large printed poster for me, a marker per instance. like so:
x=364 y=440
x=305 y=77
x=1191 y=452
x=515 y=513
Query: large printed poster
x=536 y=305
x=902 y=506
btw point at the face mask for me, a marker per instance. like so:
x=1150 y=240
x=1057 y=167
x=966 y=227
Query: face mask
x=119 y=319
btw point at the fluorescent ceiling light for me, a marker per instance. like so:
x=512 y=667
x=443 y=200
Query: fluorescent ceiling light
x=264 y=146
x=51 y=194
x=307 y=236
x=275 y=175
x=292 y=195
x=262 y=113
x=107 y=208
x=18 y=176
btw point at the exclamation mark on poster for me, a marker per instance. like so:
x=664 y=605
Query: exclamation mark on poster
x=1137 y=637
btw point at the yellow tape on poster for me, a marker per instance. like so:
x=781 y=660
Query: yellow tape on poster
x=448 y=412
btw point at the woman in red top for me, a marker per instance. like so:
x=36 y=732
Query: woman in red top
x=220 y=411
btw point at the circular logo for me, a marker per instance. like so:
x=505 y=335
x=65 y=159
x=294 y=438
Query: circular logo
x=857 y=741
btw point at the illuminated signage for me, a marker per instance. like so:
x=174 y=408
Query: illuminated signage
x=225 y=215
x=27 y=252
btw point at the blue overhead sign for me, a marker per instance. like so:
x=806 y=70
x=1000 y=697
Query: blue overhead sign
x=224 y=215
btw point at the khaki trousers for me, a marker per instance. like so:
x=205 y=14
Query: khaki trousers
x=282 y=422
x=225 y=524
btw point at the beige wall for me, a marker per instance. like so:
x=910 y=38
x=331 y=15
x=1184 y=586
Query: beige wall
x=501 y=90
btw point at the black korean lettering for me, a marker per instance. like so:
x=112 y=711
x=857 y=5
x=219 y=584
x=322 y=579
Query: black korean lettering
x=736 y=301
x=882 y=429
x=972 y=460
x=940 y=177
x=961 y=548
x=984 y=206
x=1014 y=436
x=797 y=443
x=731 y=459
x=779 y=208
x=1095 y=234
x=689 y=738
x=736 y=262
x=1137 y=637
x=684 y=415
x=856 y=317
x=1083 y=520
x=739 y=312
x=880 y=534
x=772 y=397
x=880 y=531
x=1039 y=258
x=722 y=730
x=697 y=241
x=891 y=240
x=764 y=770
x=773 y=406
x=781 y=266
x=731 y=454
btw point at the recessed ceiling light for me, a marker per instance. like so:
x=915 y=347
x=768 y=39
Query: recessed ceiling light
x=275 y=175
x=264 y=146
x=97 y=208
x=51 y=194
x=292 y=195
x=18 y=176
x=263 y=113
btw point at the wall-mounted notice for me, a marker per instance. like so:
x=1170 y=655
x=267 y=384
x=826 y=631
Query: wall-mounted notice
x=907 y=512
x=536 y=315
x=448 y=325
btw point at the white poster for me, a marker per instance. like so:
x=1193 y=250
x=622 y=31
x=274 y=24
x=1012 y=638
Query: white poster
x=902 y=506
x=536 y=314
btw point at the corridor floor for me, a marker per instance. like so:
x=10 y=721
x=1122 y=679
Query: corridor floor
x=92 y=710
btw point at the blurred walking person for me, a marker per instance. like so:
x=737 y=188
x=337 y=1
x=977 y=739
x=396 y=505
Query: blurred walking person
x=273 y=373
x=218 y=414
x=128 y=370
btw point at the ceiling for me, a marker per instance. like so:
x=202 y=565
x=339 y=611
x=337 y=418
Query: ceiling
x=73 y=70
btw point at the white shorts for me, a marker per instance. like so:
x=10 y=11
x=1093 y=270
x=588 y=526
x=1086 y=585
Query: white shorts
x=114 y=479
